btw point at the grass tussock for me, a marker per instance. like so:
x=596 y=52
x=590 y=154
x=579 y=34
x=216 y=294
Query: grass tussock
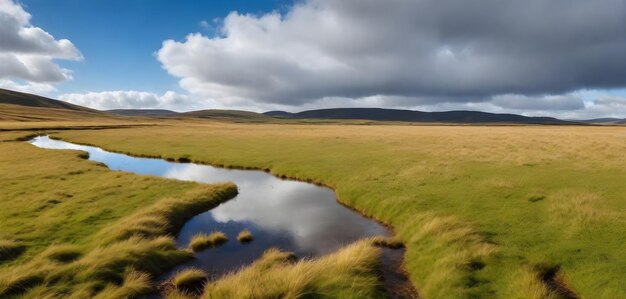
x=101 y=268
x=389 y=242
x=347 y=273
x=179 y=295
x=201 y=241
x=529 y=283
x=245 y=236
x=168 y=215
x=62 y=253
x=404 y=175
x=189 y=280
x=10 y=249
x=135 y=284
x=115 y=246
x=577 y=210
x=455 y=252
x=108 y=263
x=540 y=281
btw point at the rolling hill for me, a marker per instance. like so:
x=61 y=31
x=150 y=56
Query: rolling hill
x=615 y=121
x=234 y=115
x=143 y=112
x=20 y=106
x=380 y=114
x=25 y=99
x=24 y=107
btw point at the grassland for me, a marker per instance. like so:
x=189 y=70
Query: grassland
x=483 y=211
x=277 y=275
x=188 y=281
x=73 y=228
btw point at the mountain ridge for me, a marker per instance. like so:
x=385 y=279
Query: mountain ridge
x=382 y=114
x=9 y=97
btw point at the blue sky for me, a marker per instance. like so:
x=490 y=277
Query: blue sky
x=534 y=57
x=119 y=37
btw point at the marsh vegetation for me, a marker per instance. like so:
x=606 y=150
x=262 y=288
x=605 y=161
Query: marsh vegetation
x=200 y=242
x=245 y=236
x=457 y=196
x=521 y=211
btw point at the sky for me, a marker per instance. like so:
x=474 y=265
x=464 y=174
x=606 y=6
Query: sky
x=561 y=58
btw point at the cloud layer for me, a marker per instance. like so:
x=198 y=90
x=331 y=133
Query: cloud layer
x=422 y=52
x=127 y=100
x=27 y=52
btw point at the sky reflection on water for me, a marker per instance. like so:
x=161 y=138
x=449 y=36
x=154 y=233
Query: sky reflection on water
x=294 y=216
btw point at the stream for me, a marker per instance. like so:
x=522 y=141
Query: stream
x=294 y=216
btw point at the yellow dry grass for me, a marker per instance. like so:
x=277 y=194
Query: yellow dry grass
x=472 y=204
x=244 y=236
x=203 y=241
x=347 y=273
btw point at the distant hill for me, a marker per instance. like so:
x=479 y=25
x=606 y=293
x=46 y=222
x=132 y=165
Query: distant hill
x=24 y=107
x=603 y=121
x=234 y=115
x=25 y=99
x=380 y=114
x=41 y=108
x=143 y=112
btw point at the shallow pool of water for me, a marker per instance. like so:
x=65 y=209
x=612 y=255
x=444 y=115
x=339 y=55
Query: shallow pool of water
x=293 y=216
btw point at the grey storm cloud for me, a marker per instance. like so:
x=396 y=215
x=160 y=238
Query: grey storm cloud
x=442 y=51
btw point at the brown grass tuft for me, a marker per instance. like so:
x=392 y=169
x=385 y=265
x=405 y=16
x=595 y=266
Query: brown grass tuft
x=10 y=250
x=201 y=241
x=189 y=280
x=347 y=273
x=245 y=236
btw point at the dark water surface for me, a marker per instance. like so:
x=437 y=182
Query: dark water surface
x=294 y=216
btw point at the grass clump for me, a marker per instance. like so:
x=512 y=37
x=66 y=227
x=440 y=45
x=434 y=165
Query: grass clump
x=542 y=281
x=201 y=241
x=108 y=263
x=135 y=284
x=62 y=253
x=101 y=234
x=10 y=249
x=189 y=280
x=414 y=177
x=245 y=236
x=169 y=214
x=389 y=242
x=347 y=273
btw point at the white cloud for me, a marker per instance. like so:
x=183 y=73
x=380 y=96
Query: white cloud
x=567 y=106
x=421 y=51
x=128 y=100
x=607 y=106
x=27 y=52
x=29 y=87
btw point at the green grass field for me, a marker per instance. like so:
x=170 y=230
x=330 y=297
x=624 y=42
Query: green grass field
x=484 y=211
x=73 y=228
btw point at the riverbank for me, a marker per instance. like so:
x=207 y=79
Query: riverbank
x=109 y=233
x=484 y=211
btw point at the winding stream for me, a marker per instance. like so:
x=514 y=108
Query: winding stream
x=294 y=216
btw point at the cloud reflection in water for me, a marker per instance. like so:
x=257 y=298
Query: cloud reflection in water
x=294 y=216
